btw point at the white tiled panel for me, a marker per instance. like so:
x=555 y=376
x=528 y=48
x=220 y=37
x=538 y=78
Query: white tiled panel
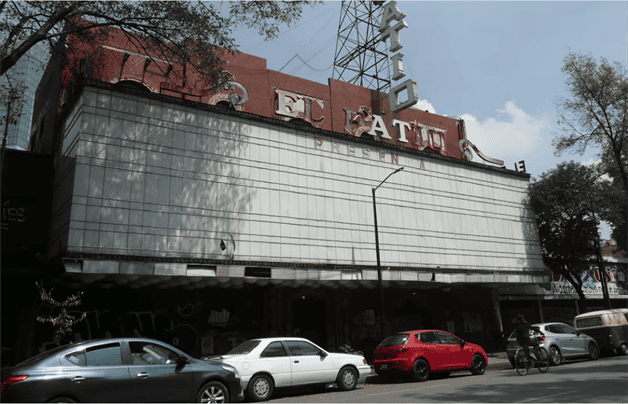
x=146 y=178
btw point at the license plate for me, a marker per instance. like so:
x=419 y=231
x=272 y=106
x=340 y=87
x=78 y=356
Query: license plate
x=384 y=366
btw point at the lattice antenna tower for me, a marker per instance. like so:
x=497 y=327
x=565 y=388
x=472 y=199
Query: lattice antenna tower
x=361 y=57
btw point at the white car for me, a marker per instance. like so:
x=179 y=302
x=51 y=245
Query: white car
x=266 y=363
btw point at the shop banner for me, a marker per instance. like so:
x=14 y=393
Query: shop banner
x=591 y=284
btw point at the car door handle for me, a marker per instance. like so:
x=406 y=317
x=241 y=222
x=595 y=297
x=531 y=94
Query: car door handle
x=77 y=379
x=143 y=375
x=296 y=361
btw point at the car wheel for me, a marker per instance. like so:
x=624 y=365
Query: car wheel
x=594 y=352
x=623 y=349
x=478 y=365
x=555 y=356
x=421 y=370
x=347 y=379
x=260 y=388
x=213 y=392
x=62 y=400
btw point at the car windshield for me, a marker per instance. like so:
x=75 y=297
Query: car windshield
x=394 y=340
x=245 y=347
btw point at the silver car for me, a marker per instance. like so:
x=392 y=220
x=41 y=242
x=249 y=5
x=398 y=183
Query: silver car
x=561 y=342
x=120 y=370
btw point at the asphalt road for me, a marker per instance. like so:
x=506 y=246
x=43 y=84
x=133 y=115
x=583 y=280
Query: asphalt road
x=604 y=380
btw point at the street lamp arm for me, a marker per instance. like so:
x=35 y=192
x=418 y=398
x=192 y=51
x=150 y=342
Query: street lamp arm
x=394 y=172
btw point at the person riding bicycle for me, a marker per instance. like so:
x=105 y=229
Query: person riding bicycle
x=523 y=335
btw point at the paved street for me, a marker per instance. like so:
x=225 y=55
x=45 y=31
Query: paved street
x=604 y=380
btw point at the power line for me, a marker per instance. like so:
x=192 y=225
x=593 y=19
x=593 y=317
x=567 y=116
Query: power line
x=296 y=26
x=307 y=43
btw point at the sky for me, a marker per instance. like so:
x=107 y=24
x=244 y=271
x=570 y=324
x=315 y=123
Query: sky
x=495 y=64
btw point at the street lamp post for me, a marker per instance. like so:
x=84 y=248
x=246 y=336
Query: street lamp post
x=379 y=264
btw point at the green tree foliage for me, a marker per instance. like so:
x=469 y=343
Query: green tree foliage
x=597 y=114
x=192 y=33
x=569 y=202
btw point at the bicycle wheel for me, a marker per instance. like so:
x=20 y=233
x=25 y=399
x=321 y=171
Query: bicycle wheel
x=522 y=364
x=543 y=362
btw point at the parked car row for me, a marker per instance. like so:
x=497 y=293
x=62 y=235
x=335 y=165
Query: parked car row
x=603 y=330
x=146 y=370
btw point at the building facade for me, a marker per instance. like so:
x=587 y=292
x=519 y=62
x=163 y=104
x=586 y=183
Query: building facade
x=205 y=218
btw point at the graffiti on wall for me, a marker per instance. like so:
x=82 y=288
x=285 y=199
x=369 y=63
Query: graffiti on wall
x=472 y=322
x=177 y=327
x=12 y=212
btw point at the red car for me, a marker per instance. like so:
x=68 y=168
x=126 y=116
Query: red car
x=421 y=352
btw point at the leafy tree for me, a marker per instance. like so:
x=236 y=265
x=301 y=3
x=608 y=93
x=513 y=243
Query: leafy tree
x=597 y=114
x=569 y=203
x=190 y=33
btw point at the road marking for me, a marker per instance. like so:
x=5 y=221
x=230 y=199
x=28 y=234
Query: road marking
x=547 y=396
x=399 y=391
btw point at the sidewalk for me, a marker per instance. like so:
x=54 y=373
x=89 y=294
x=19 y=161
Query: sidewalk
x=498 y=361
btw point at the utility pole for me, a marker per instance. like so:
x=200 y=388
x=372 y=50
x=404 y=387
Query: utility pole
x=602 y=272
x=601 y=268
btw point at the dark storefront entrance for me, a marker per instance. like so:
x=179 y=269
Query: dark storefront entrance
x=213 y=320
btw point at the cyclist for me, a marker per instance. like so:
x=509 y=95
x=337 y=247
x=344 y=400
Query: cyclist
x=523 y=335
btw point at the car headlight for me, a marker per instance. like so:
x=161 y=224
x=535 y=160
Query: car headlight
x=231 y=369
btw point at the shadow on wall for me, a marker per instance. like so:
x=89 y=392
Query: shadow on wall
x=533 y=254
x=157 y=179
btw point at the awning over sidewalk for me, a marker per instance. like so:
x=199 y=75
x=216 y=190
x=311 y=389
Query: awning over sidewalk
x=137 y=274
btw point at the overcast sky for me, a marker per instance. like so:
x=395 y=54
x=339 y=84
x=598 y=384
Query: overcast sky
x=497 y=65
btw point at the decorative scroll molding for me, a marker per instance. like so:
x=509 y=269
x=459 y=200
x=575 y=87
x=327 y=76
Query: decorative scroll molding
x=465 y=148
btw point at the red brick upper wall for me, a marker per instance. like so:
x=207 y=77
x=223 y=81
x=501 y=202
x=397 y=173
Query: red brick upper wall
x=340 y=107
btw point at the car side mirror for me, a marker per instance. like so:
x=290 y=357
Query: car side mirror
x=322 y=354
x=462 y=343
x=179 y=360
x=578 y=333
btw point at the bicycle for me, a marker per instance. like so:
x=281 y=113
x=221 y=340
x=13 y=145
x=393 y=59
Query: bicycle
x=523 y=362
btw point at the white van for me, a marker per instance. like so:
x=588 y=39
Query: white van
x=609 y=328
